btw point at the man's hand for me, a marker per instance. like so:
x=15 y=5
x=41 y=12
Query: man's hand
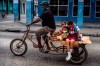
x=34 y=21
x=28 y=25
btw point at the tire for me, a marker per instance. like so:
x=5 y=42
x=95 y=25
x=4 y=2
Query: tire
x=18 y=47
x=77 y=57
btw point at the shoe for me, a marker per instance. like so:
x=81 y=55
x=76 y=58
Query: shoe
x=35 y=46
x=68 y=58
x=41 y=49
x=48 y=50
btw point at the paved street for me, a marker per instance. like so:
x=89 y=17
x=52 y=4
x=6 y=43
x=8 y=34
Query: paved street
x=34 y=58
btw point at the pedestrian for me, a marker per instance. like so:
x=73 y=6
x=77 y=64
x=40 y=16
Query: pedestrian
x=48 y=24
x=3 y=14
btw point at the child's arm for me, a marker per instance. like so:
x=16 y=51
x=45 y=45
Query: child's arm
x=58 y=33
x=79 y=34
x=78 y=29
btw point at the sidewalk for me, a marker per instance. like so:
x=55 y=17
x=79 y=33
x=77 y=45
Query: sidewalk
x=89 y=29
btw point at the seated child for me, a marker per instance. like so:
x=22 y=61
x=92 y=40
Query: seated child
x=62 y=33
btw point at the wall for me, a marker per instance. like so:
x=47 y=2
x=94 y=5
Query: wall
x=92 y=17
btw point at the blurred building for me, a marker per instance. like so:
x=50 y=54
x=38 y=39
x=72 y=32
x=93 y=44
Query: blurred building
x=6 y=5
x=63 y=10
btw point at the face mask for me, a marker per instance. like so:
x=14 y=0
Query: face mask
x=44 y=9
x=64 y=31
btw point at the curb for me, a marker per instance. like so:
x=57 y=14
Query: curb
x=8 y=30
x=92 y=27
x=92 y=35
x=58 y=25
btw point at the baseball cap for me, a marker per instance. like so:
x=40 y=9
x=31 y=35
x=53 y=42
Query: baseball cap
x=44 y=3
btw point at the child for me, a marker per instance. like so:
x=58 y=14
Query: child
x=63 y=24
x=62 y=33
x=74 y=32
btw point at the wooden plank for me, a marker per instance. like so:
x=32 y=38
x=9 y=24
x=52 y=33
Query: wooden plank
x=86 y=42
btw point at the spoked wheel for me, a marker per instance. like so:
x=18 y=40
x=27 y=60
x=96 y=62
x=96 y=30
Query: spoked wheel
x=79 y=55
x=18 y=47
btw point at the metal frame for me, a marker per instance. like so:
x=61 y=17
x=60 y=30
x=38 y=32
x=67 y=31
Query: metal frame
x=29 y=37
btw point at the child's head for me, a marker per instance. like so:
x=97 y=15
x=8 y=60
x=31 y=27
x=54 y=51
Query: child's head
x=63 y=24
x=65 y=29
x=70 y=23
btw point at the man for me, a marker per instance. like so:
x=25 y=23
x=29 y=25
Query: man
x=3 y=14
x=48 y=24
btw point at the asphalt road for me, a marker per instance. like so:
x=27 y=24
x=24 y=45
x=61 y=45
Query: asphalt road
x=34 y=58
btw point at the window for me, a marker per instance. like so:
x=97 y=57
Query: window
x=97 y=8
x=86 y=2
x=63 y=2
x=86 y=8
x=0 y=5
x=11 y=1
x=62 y=10
x=59 y=7
x=98 y=2
x=86 y=11
x=53 y=2
x=54 y=10
x=75 y=8
x=97 y=14
x=11 y=5
x=4 y=6
x=75 y=2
